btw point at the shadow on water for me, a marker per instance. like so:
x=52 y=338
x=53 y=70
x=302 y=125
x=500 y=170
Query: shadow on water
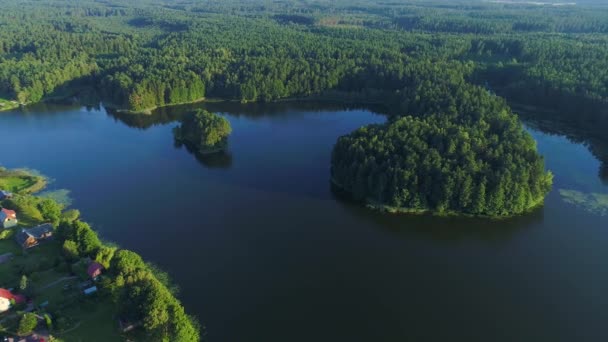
x=218 y=160
x=586 y=127
x=166 y=115
x=447 y=229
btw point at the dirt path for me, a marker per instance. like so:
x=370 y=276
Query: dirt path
x=56 y=282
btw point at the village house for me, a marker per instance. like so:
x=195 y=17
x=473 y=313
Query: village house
x=94 y=270
x=6 y=297
x=8 y=218
x=28 y=238
x=5 y=195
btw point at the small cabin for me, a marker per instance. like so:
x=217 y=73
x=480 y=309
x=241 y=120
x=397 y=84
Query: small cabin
x=8 y=218
x=94 y=270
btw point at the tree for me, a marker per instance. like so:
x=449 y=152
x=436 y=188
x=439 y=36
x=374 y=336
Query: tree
x=70 y=215
x=27 y=324
x=23 y=283
x=50 y=210
x=70 y=250
x=105 y=255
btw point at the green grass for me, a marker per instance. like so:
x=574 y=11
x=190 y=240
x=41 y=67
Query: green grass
x=21 y=181
x=55 y=295
x=33 y=261
x=7 y=104
x=97 y=319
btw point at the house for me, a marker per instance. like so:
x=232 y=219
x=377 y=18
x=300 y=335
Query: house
x=6 y=297
x=5 y=195
x=28 y=238
x=95 y=270
x=8 y=218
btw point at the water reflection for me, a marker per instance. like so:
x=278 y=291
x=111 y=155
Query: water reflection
x=441 y=229
x=586 y=127
x=253 y=111
x=218 y=160
x=145 y=121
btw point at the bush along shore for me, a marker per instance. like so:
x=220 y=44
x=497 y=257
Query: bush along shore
x=59 y=281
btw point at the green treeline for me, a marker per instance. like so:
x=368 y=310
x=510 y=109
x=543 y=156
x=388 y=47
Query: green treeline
x=148 y=54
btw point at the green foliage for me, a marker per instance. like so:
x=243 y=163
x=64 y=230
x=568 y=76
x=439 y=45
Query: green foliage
x=104 y=256
x=23 y=283
x=50 y=210
x=70 y=215
x=84 y=238
x=27 y=324
x=206 y=131
x=48 y=321
x=70 y=250
x=142 y=297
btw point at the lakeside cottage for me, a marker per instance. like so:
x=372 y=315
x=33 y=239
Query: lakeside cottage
x=5 y=195
x=28 y=238
x=6 y=297
x=8 y=218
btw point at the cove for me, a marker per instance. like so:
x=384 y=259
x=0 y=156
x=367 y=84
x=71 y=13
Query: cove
x=264 y=250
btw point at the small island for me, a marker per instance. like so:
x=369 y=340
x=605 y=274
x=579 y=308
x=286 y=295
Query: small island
x=204 y=132
x=467 y=155
x=60 y=282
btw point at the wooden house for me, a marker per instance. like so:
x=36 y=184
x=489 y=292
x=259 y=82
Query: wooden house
x=28 y=238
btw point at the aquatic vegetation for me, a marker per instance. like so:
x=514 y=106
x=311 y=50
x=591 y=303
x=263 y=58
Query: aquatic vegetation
x=61 y=196
x=595 y=203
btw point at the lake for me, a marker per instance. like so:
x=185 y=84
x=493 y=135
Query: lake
x=264 y=250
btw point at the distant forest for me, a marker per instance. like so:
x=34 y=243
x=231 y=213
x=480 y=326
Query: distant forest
x=147 y=53
x=441 y=68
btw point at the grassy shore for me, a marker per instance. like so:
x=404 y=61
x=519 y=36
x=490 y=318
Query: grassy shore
x=81 y=318
x=21 y=181
x=8 y=104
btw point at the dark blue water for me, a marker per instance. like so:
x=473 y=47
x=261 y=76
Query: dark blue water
x=263 y=250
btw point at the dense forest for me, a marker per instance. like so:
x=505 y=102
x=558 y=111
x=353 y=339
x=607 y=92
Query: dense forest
x=148 y=53
x=442 y=63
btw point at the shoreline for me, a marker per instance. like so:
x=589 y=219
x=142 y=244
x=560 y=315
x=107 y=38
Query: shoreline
x=384 y=208
x=343 y=98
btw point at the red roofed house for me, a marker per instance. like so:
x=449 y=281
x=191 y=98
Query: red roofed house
x=94 y=270
x=5 y=299
x=8 y=218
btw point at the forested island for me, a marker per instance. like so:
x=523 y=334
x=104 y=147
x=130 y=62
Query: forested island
x=59 y=281
x=203 y=132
